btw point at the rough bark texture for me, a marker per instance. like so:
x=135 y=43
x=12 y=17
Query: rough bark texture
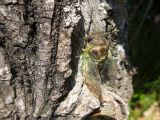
x=39 y=44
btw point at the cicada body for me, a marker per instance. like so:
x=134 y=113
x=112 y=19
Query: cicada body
x=93 y=58
x=90 y=73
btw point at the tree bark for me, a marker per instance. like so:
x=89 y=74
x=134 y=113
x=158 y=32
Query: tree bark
x=40 y=45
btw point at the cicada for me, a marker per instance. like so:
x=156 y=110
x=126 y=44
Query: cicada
x=93 y=59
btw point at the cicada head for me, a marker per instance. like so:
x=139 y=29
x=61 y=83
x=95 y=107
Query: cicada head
x=97 y=46
x=99 y=53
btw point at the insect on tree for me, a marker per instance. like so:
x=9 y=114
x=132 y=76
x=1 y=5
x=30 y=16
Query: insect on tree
x=93 y=62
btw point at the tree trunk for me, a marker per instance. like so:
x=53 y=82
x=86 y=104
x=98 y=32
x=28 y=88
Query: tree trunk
x=40 y=47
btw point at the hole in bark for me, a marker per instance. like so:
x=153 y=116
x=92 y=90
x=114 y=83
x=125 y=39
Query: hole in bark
x=97 y=115
x=100 y=117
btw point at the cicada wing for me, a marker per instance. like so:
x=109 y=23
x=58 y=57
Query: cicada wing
x=91 y=75
x=112 y=69
x=110 y=72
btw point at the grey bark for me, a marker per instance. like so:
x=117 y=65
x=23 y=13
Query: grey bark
x=39 y=44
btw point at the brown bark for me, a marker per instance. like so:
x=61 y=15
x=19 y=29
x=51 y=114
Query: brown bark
x=39 y=44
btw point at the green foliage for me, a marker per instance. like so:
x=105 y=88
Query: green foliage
x=144 y=42
x=140 y=103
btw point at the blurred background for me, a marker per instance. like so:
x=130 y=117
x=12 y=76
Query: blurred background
x=144 y=42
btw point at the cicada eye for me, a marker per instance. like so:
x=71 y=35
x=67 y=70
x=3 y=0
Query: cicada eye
x=95 y=53
x=103 y=50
